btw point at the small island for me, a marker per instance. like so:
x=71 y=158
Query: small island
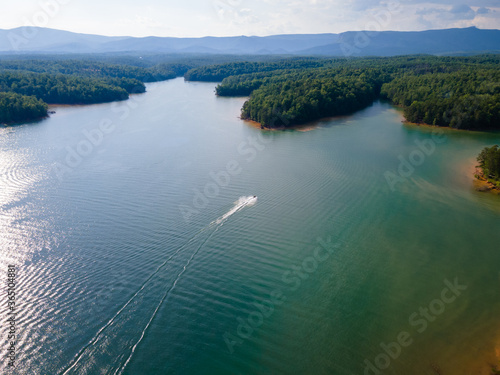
x=488 y=169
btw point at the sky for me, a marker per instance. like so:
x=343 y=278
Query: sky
x=196 y=18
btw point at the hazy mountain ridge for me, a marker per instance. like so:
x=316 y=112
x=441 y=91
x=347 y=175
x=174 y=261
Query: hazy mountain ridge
x=384 y=43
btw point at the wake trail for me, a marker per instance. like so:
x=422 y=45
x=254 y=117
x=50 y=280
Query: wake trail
x=239 y=204
x=216 y=224
x=164 y=298
x=96 y=337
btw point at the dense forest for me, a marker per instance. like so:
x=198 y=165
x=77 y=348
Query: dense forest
x=68 y=89
x=96 y=69
x=466 y=99
x=216 y=73
x=302 y=97
x=88 y=79
x=72 y=81
x=489 y=162
x=459 y=92
x=18 y=108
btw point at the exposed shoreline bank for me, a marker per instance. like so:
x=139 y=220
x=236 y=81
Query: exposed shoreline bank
x=300 y=128
x=313 y=124
x=482 y=184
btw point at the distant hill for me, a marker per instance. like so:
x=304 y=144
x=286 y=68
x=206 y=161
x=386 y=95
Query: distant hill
x=352 y=43
x=391 y=43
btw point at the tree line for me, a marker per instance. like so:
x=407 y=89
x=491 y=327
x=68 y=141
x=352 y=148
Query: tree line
x=216 y=73
x=89 y=78
x=489 y=162
x=36 y=82
x=68 y=89
x=459 y=92
x=299 y=98
x=19 y=108
x=465 y=99
x=96 y=69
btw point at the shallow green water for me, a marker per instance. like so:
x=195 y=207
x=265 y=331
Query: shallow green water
x=135 y=258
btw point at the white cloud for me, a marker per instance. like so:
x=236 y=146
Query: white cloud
x=256 y=17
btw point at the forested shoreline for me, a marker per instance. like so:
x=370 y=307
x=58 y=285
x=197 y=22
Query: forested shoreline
x=33 y=84
x=37 y=80
x=489 y=164
x=457 y=92
x=19 y=108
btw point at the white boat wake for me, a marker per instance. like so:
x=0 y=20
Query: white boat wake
x=98 y=352
x=238 y=205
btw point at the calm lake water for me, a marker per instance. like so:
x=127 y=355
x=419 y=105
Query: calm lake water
x=145 y=252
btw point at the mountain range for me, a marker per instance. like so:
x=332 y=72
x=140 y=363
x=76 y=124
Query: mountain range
x=353 y=43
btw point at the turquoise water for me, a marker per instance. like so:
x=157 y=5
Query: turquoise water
x=145 y=252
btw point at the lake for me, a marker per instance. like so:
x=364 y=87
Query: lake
x=139 y=247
